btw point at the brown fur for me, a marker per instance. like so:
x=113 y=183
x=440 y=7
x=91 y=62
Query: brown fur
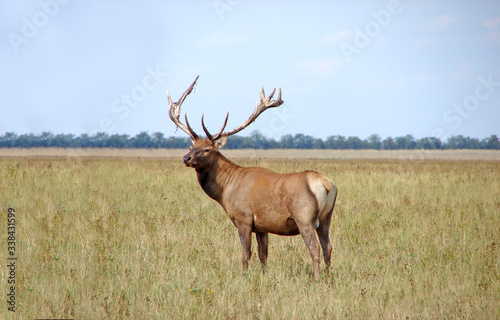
x=261 y=201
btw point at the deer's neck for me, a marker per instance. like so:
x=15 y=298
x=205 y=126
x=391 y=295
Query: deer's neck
x=216 y=177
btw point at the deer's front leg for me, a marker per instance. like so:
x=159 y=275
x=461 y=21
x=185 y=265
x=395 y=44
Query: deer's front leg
x=245 y=233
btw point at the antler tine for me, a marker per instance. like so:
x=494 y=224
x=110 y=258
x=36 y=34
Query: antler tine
x=209 y=136
x=272 y=94
x=279 y=95
x=174 y=111
x=218 y=135
x=189 y=127
x=187 y=92
x=265 y=103
x=262 y=93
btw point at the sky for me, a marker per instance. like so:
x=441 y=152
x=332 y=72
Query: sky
x=351 y=68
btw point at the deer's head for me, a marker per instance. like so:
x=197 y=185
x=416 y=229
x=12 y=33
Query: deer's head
x=204 y=150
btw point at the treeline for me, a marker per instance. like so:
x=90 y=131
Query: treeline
x=255 y=141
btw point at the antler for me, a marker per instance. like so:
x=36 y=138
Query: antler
x=218 y=135
x=265 y=103
x=175 y=108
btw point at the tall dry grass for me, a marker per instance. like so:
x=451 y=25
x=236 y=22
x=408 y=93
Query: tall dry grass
x=138 y=239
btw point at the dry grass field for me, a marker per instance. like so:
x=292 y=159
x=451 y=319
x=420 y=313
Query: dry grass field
x=136 y=238
x=488 y=155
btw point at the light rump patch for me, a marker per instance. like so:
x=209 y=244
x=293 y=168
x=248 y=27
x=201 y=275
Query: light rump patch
x=258 y=200
x=318 y=188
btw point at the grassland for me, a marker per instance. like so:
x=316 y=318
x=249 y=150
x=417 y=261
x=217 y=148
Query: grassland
x=488 y=155
x=136 y=238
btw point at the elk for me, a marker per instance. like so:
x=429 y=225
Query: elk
x=258 y=200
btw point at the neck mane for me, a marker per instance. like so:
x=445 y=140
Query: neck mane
x=214 y=178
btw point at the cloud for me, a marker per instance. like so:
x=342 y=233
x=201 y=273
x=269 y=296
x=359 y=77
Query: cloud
x=442 y=22
x=344 y=35
x=318 y=67
x=491 y=23
x=218 y=39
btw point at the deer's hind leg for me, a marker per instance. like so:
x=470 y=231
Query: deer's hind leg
x=324 y=239
x=323 y=229
x=309 y=236
x=262 y=242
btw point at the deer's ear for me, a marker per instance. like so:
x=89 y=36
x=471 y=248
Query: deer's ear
x=221 y=142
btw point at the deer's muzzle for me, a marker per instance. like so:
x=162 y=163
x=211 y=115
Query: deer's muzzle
x=186 y=159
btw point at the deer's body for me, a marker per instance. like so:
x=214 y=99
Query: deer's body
x=266 y=201
x=260 y=201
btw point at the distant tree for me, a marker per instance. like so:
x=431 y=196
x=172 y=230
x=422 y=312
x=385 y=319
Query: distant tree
x=142 y=140
x=63 y=140
x=342 y=142
x=159 y=140
x=335 y=142
x=8 y=140
x=474 y=143
x=258 y=140
x=25 y=141
x=492 y=142
x=406 y=142
x=330 y=142
x=355 y=143
x=389 y=144
x=239 y=142
x=301 y=141
x=118 y=141
x=234 y=142
x=178 y=143
x=428 y=143
x=461 y=142
x=455 y=142
x=435 y=143
x=286 y=141
x=83 y=141
x=374 y=141
x=99 y=140
x=318 y=144
x=273 y=144
x=45 y=139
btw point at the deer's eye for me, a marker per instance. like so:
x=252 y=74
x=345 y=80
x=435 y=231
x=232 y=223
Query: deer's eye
x=206 y=150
